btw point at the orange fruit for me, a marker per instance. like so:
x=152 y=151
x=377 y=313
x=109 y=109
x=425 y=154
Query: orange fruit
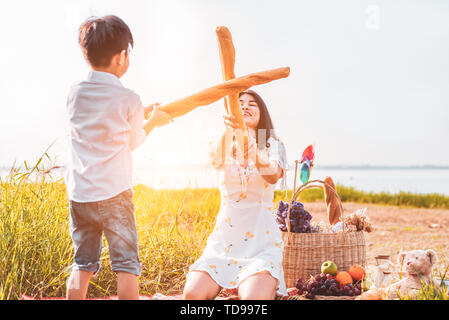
x=357 y=272
x=343 y=278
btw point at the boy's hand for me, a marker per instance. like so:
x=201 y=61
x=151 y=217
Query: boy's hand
x=159 y=117
x=147 y=110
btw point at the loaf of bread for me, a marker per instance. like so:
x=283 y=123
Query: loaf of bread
x=212 y=94
x=332 y=202
x=227 y=60
x=227 y=52
x=227 y=56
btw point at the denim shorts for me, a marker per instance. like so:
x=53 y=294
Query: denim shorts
x=115 y=218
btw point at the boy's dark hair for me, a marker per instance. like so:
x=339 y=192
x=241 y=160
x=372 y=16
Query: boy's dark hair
x=102 y=38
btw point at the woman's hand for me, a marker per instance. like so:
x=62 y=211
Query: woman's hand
x=230 y=123
x=250 y=148
x=250 y=145
x=270 y=171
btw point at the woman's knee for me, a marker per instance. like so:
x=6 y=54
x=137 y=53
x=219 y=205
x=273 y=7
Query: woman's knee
x=191 y=294
x=258 y=295
x=199 y=294
x=261 y=286
x=200 y=286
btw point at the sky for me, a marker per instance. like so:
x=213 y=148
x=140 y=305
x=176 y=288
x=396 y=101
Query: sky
x=369 y=80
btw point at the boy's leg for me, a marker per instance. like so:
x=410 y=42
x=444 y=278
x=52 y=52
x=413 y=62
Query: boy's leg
x=120 y=230
x=87 y=241
x=77 y=284
x=127 y=286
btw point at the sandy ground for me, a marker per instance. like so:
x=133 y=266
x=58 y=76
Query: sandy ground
x=398 y=228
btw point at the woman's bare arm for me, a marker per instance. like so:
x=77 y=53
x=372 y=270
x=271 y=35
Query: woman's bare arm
x=218 y=149
x=270 y=171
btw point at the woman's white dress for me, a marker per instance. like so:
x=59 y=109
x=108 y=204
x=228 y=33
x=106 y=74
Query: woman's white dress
x=246 y=239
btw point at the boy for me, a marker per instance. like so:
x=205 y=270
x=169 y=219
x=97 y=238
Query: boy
x=107 y=122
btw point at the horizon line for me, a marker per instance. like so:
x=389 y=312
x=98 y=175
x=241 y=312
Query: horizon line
x=197 y=166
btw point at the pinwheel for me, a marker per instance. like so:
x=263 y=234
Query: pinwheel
x=306 y=164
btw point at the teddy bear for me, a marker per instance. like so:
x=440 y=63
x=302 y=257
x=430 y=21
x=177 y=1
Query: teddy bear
x=417 y=265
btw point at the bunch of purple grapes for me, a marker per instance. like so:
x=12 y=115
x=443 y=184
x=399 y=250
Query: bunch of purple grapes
x=326 y=285
x=299 y=218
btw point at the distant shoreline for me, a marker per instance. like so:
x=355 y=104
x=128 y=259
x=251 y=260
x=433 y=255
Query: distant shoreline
x=368 y=167
x=198 y=166
x=194 y=166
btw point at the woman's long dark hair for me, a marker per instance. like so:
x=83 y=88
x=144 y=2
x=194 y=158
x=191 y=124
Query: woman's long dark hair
x=265 y=121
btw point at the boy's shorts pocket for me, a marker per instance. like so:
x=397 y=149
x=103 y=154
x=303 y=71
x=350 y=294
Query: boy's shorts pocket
x=128 y=215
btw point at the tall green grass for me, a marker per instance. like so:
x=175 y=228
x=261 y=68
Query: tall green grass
x=173 y=225
x=436 y=290
x=36 y=249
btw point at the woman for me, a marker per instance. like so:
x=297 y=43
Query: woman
x=244 y=250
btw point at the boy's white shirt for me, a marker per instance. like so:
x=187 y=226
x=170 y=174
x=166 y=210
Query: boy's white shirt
x=106 y=124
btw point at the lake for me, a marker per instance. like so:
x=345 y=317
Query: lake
x=376 y=180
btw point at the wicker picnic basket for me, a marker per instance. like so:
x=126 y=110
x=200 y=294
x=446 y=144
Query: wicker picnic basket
x=305 y=252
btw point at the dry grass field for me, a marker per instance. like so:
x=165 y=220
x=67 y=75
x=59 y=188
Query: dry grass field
x=398 y=228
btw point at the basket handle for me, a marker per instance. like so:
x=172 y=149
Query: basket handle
x=309 y=185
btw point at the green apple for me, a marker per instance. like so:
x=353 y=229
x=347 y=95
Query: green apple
x=329 y=267
x=366 y=284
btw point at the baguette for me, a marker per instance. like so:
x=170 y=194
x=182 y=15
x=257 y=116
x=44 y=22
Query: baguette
x=212 y=94
x=227 y=60
x=332 y=203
